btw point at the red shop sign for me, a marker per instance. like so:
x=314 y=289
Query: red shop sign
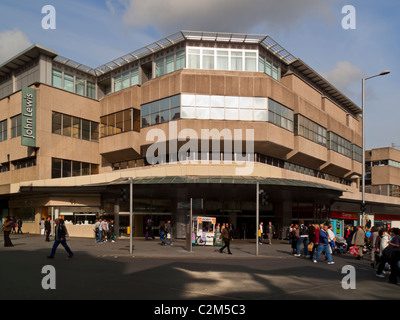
x=344 y=215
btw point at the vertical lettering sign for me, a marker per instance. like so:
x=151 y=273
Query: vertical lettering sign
x=28 y=137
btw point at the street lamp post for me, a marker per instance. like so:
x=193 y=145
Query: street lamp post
x=385 y=72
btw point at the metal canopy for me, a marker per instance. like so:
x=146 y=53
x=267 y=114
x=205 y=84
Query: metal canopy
x=224 y=180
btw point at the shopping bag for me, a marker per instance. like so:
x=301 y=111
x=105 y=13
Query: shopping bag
x=354 y=251
x=310 y=246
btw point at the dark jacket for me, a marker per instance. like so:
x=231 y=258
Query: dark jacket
x=225 y=234
x=47 y=225
x=60 y=232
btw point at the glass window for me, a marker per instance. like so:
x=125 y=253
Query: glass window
x=170 y=63
x=76 y=168
x=76 y=127
x=103 y=127
x=119 y=122
x=208 y=59
x=125 y=80
x=261 y=64
x=68 y=82
x=127 y=120
x=275 y=73
x=117 y=83
x=194 y=59
x=85 y=168
x=66 y=168
x=85 y=129
x=135 y=77
x=94 y=131
x=280 y=115
x=57 y=78
x=222 y=60
x=91 y=90
x=3 y=130
x=67 y=125
x=160 y=67
x=236 y=60
x=55 y=168
x=268 y=68
x=180 y=60
x=56 y=123
x=250 y=61
x=16 y=126
x=80 y=86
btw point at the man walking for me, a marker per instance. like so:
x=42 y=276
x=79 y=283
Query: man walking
x=324 y=245
x=47 y=229
x=60 y=232
x=226 y=237
x=270 y=232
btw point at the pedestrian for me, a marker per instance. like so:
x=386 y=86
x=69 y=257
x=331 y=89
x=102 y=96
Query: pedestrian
x=14 y=224
x=332 y=239
x=112 y=231
x=312 y=237
x=98 y=228
x=295 y=237
x=359 y=241
x=60 y=233
x=19 y=225
x=168 y=231
x=391 y=255
x=260 y=233
x=7 y=228
x=226 y=237
x=47 y=228
x=41 y=226
x=161 y=228
x=374 y=236
x=104 y=227
x=303 y=239
x=323 y=245
x=270 y=232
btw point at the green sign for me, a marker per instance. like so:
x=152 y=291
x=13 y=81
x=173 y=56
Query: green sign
x=28 y=136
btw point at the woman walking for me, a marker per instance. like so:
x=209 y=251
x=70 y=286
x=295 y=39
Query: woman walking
x=7 y=227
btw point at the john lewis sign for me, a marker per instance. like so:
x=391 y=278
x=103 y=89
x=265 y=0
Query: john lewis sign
x=28 y=137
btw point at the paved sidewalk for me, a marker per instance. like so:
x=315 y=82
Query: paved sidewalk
x=150 y=248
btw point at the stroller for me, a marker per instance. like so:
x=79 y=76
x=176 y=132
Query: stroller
x=340 y=245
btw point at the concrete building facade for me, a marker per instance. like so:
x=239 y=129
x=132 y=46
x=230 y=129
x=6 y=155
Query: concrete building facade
x=183 y=117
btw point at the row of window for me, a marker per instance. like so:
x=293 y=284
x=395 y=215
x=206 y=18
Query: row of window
x=160 y=111
x=74 y=127
x=222 y=59
x=16 y=127
x=68 y=82
x=119 y=122
x=18 y=164
x=126 y=80
x=170 y=63
x=62 y=168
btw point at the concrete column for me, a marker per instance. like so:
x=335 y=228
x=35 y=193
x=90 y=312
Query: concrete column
x=283 y=214
x=116 y=216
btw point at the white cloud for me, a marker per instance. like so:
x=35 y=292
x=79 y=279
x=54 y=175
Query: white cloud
x=221 y=15
x=344 y=75
x=11 y=43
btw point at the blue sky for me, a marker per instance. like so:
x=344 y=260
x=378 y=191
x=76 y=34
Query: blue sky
x=95 y=32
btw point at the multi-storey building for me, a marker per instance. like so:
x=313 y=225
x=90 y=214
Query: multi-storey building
x=195 y=115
